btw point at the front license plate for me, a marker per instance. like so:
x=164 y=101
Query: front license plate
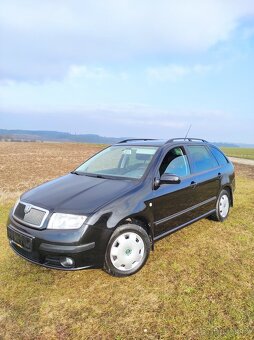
x=20 y=239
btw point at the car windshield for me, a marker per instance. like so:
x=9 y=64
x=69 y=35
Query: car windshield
x=119 y=161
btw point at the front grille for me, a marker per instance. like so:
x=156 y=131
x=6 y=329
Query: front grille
x=30 y=215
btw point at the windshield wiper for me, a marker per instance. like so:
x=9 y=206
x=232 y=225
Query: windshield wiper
x=94 y=175
x=75 y=172
x=87 y=174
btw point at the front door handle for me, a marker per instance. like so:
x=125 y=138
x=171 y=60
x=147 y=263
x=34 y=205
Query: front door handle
x=193 y=184
x=219 y=175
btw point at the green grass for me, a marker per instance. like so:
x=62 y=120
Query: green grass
x=247 y=153
x=198 y=284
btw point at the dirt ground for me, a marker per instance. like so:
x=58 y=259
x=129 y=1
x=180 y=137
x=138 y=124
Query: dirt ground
x=25 y=165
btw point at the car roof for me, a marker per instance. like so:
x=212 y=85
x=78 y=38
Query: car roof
x=161 y=142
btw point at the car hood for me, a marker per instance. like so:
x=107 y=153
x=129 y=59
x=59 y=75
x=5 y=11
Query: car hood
x=76 y=193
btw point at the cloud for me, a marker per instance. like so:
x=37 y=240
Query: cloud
x=83 y=71
x=248 y=32
x=126 y=113
x=87 y=72
x=42 y=39
x=175 y=72
x=170 y=72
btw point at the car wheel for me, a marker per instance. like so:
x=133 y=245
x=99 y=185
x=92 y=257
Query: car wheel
x=127 y=250
x=222 y=206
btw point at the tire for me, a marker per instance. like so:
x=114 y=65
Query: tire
x=127 y=251
x=222 y=206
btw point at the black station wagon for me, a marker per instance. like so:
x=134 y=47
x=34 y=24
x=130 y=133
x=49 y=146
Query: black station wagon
x=109 y=212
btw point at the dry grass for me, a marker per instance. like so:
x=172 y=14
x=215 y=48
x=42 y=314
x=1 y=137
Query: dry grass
x=198 y=284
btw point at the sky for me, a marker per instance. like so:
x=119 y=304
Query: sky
x=129 y=68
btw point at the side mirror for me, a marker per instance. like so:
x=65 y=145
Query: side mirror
x=169 y=179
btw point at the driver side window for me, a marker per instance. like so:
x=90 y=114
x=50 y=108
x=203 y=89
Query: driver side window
x=176 y=163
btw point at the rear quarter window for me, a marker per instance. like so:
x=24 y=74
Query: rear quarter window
x=219 y=155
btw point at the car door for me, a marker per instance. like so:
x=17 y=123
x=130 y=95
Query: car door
x=172 y=202
x=207 y=174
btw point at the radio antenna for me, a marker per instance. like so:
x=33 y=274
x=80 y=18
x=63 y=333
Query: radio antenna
x=188 y=132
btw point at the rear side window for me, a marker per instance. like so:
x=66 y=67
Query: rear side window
x=219 y=155
x=201 y=158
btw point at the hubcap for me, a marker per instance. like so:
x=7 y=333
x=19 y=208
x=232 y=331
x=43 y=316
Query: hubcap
x=224 y=205
x=127 y=251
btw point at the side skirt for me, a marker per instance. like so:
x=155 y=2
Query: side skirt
x=171 y=231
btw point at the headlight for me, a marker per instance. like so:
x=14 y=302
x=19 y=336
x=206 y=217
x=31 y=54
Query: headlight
x=66 y=221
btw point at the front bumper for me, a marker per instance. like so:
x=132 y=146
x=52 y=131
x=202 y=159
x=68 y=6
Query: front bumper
x=85 y=246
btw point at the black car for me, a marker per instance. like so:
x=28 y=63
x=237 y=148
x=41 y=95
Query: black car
x=109 y=212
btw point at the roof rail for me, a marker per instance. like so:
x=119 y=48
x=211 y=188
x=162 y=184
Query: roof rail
x=133 y=139
x=189 y=139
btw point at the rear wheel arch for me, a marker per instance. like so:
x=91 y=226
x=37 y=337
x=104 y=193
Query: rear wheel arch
x=230 y=191
x=223 y=204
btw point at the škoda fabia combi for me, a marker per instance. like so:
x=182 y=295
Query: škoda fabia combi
x=109 y=212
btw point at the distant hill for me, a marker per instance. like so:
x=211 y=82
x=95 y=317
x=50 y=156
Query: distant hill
x=226 y=145
x=56 y=136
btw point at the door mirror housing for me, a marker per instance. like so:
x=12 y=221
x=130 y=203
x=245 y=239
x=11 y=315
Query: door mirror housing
x=169 y=179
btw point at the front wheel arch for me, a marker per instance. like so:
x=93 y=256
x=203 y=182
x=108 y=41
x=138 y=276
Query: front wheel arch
x=109 y=266
x=142 y=222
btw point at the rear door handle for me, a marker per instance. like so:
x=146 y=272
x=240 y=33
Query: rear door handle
x=193 y=184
